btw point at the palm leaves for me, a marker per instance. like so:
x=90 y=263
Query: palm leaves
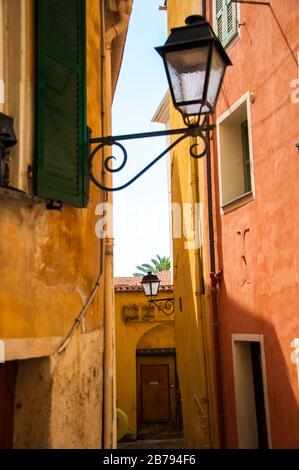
x=161 y=263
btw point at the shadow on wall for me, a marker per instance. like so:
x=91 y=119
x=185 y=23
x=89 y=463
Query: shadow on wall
x=282 y=402
x=243 y=309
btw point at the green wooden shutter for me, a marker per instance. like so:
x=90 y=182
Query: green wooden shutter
x=220 y=21
x=231 y=20
x=226 y=20
x=61 y=162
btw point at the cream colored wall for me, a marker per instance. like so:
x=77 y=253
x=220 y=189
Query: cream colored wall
x=230 y=151
x=18 y=74
x=232 y=169
x=129 y=337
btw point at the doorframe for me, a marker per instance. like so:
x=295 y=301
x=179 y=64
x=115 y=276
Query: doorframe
x=247 y=338
x=154 y=353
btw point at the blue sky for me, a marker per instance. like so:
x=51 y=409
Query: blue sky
x=141 y=223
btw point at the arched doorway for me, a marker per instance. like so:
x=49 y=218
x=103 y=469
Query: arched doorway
x=158 y=396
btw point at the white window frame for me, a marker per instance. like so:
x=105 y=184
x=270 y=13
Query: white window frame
x=247 y=337
x=215 y=28
x=243 y=198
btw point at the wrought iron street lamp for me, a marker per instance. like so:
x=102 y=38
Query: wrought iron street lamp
x=195 y=64
x=151 y=284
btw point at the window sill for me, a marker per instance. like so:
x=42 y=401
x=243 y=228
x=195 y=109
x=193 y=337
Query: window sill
x=19 y=196
x=237 y=202
x=232 y=42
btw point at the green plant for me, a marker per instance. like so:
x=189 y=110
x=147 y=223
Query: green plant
x=161 y=263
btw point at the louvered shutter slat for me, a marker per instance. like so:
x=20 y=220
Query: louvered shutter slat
x=231 y=20
x=220 y=21
x=61 y=163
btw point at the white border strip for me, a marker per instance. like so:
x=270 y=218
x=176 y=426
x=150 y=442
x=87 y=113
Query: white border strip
x=260 y=339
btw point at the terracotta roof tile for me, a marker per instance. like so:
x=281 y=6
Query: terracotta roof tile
x=133 y=283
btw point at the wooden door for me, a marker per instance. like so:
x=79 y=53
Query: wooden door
x=8 y=374
x=156 y=390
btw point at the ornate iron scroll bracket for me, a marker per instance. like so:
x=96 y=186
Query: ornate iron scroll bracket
x=193 y=130
x=168 y=305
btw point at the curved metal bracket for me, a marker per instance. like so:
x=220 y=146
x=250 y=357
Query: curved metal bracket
x=168 y=304
x=196 y=130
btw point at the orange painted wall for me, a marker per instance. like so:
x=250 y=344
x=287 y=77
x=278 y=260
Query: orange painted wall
x=268 y=303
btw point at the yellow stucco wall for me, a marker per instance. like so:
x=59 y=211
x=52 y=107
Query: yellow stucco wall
x=49 y=264
x=129 y=337
x=194 y=354
x=49 y=260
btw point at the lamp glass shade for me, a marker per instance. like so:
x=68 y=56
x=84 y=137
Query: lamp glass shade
x=216 y=76
x=187 y=72
x=150 y=284
x=195 y=63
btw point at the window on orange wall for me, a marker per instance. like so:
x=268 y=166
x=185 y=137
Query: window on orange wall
x=235 y=153
x=225 y=20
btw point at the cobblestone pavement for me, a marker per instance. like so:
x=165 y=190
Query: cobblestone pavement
x=153 y=444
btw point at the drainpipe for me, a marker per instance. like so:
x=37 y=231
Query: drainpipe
x=215 y=279
x=204 y=8
x=109 y=399
x=205 y=396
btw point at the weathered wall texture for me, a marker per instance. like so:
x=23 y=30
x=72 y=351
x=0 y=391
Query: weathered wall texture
x=265 y=63
x=51 y=255
x=78 y=388
x=49 y=263
x=130 y=337
x=194 y=354
x=33 y=404
x=54 y=393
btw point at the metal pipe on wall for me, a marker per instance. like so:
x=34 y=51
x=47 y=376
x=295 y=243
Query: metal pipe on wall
x=214 y=299
x=204 y=8
x=109 y=405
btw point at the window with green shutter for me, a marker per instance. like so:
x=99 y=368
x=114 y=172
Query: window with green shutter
x=226 y=20
x=61 y=168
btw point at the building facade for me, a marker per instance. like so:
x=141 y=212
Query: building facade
x=146 y=378
x=235 y=271
x=255 y=172
x=59 y=63
x=191 y=280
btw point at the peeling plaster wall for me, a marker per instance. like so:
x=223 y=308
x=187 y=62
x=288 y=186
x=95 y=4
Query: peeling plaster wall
x=58 y=400
x=77 y=394
x=33 y=404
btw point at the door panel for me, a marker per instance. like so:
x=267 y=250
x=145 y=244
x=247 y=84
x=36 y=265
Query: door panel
x=155 y=393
